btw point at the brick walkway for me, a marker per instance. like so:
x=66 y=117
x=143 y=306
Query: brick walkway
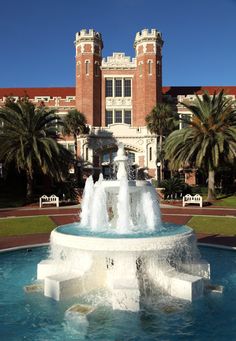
x=65 y=215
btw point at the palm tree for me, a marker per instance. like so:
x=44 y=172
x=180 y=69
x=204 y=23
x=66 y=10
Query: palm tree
x=29 y=139
x=75 y=124
x=161 y=121
x=209 y=139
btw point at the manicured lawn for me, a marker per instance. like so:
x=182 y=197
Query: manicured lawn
x=214 y=225
x=21 y=226
x=226 y=202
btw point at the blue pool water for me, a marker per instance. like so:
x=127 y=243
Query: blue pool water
x=34 y=317
x=168 y=229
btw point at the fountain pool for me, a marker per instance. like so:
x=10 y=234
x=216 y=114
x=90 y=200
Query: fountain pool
x=122 y=246
x=31 y=316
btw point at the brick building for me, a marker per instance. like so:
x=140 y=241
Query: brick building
x=115 y=94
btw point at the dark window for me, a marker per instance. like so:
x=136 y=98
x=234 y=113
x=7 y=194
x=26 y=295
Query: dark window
x=127 y=118
x=118 y=116
x=87 y=67
x=108 y=118
x=149 y=67
x=109 y=92
x=131 y=157
x=118 y=87
x=150 y=153
x=127 y=88
x=106 y=157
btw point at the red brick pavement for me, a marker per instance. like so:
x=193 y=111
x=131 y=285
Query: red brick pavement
x=63 y=215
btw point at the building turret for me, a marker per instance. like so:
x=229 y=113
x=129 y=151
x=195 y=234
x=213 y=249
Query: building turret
x=148 y=76
x=89 y=46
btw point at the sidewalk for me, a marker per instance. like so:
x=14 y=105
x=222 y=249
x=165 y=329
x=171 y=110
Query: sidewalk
x=70 y=214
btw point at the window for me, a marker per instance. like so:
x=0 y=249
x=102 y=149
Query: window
x=108 y=118
x=131 y=157
x=106 y=157
x=118 y=116
x=127 y=117
x=158 y=68
x=150 y=154
x=86 y=153
x=109 y=92
x=87 y=67
x=118 y=87
x=149 y=67
x=127 y=87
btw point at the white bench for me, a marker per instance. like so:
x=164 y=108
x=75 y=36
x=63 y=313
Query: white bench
x=189 y=199
x=45 y=200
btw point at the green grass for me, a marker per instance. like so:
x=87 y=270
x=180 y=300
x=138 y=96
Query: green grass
x=22 y=226
x=226 y=201
x=213 y=225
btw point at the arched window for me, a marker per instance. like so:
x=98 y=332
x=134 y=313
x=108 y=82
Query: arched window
x=149 y=67
x=87 y=67
x=150 y=154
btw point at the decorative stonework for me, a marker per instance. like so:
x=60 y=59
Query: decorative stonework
x=118 y=102
x=118 y=61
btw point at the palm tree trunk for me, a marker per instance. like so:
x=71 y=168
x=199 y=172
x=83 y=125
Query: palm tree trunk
x=211 y=186
x=29 y=186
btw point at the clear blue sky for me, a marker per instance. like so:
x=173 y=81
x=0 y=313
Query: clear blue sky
x=37 y=38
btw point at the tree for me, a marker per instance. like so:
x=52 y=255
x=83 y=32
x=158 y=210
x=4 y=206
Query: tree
x=28 y=139
x=209 y=139
x=75 y=124
x=161 y=121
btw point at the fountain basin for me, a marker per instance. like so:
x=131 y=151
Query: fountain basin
x=73 y=236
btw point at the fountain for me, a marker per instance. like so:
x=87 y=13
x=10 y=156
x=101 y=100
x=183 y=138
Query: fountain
x=122 y=246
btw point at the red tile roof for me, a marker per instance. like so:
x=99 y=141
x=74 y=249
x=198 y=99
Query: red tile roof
x=32 y=92
x=70 y=91
x=190 y=90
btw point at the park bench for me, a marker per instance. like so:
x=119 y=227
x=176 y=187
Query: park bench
x=190 y=199
x=45 y=200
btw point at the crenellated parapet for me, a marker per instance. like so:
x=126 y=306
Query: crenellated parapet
x=148 y=41
x=88 y=41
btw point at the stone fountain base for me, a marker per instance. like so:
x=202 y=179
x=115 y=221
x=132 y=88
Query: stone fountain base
x=125 y=266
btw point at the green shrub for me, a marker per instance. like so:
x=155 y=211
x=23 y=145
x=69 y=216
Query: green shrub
x=175 y=188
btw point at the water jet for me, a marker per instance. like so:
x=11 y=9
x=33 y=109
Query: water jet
x=122 y=246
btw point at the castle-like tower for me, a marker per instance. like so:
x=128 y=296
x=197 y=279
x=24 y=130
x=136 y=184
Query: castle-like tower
x=118 y=89
x=147 y=84
x=88 y=75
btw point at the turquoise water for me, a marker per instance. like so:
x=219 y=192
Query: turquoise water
x=37 y=318
x=168 y=229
